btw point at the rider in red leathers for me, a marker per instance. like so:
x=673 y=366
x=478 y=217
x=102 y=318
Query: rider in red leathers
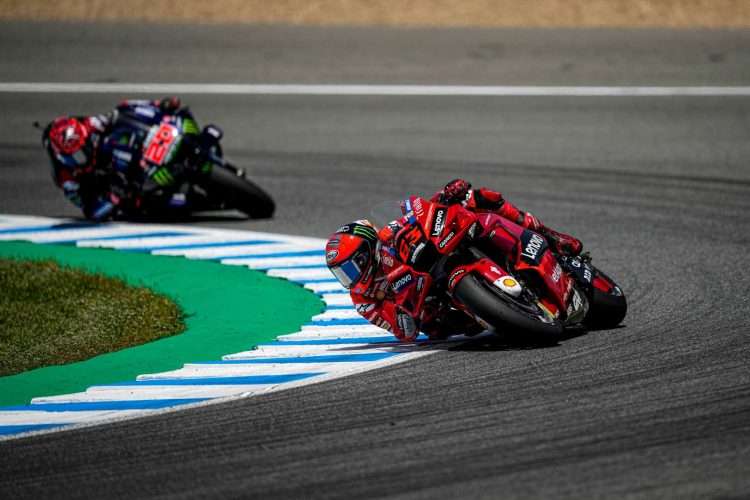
x=486 y=201
x=362 y=258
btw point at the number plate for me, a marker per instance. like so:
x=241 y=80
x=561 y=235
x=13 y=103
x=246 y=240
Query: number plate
x=159 y=143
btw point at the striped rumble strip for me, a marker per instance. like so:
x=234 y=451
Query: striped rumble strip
x=333 y=344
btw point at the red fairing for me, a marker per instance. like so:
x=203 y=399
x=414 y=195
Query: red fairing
x=445 y=225
x=558 y=282
x=603 y=284
x=485 y=268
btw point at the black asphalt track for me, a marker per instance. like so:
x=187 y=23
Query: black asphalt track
x=657 y=188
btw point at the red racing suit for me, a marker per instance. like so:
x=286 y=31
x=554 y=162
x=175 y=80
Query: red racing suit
x=400 y=242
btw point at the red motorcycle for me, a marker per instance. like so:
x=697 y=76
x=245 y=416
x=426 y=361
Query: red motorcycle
x=529 y=290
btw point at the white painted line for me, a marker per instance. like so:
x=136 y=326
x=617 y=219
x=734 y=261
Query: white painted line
x=333 y=335
x=301 y=274
x=62 y=417
x=220 y=252
x=310 y=350
x=136 y=391
x=46 y=235
x=195 y=370
x=339 y=331
x=331 y=286
x=337 y=299
x=131 y=393
x=303 y=352
x=281 y=262
x=372 y=90
x=136 y=243
x=337 y=314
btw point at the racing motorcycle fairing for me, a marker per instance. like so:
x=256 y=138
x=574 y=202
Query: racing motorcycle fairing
x=604 y=284
x=160 y=145
x=409 y=288
x=505 y=259
x=487 y=270
x=445 y=226
x=534 y=255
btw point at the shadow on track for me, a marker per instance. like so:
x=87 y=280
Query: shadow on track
x=518 y=342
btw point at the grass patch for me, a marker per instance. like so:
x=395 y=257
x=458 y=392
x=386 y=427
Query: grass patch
x=53 y=315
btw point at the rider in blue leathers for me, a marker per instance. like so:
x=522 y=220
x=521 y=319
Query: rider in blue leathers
x=96 y=160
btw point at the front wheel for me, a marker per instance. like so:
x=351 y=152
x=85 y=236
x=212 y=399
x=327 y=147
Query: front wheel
x=504 y=312
x=607 y=304
x=239 y=192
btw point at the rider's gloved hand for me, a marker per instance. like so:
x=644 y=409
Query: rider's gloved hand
x=102 y=210
x=71 y=189
x=407 y=324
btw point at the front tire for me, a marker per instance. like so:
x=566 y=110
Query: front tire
x=503 y=312
x=240 y=193
x=607 y=309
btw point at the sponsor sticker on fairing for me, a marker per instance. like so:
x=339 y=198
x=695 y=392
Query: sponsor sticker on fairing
x=447 y=239
x=439 y=223
x=508 y=285
x=365 y=308
x=148 y=112
x=402 y=283
x=556 y=273
x=454 y=276
x=123 y=156
x=387 y=259
x=416 y=252
x=331 y=255
x=381 y=323
x=575 y=303
x=533 y=246
x=531 y=250
x=418 y=208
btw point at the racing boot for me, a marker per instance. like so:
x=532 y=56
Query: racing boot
x=561 y=243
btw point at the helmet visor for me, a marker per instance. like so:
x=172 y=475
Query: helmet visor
x=351 y=270
x=75 y=160
x=347 y=273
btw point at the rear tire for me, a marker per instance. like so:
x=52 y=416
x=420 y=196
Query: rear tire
x=606 y=310
x=239 y=193
x=502 y=313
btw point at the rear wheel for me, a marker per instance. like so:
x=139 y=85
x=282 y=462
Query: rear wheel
x=238 y=192
x=607 y=304
x=506 y=313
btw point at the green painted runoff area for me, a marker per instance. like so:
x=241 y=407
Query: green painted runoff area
x=227 y=309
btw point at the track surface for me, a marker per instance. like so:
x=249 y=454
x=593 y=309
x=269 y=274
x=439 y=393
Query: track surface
x=658 y=189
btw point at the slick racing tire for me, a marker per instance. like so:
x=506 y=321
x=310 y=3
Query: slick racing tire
x=505 y=313
x=240 y=193
x=607 y=309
